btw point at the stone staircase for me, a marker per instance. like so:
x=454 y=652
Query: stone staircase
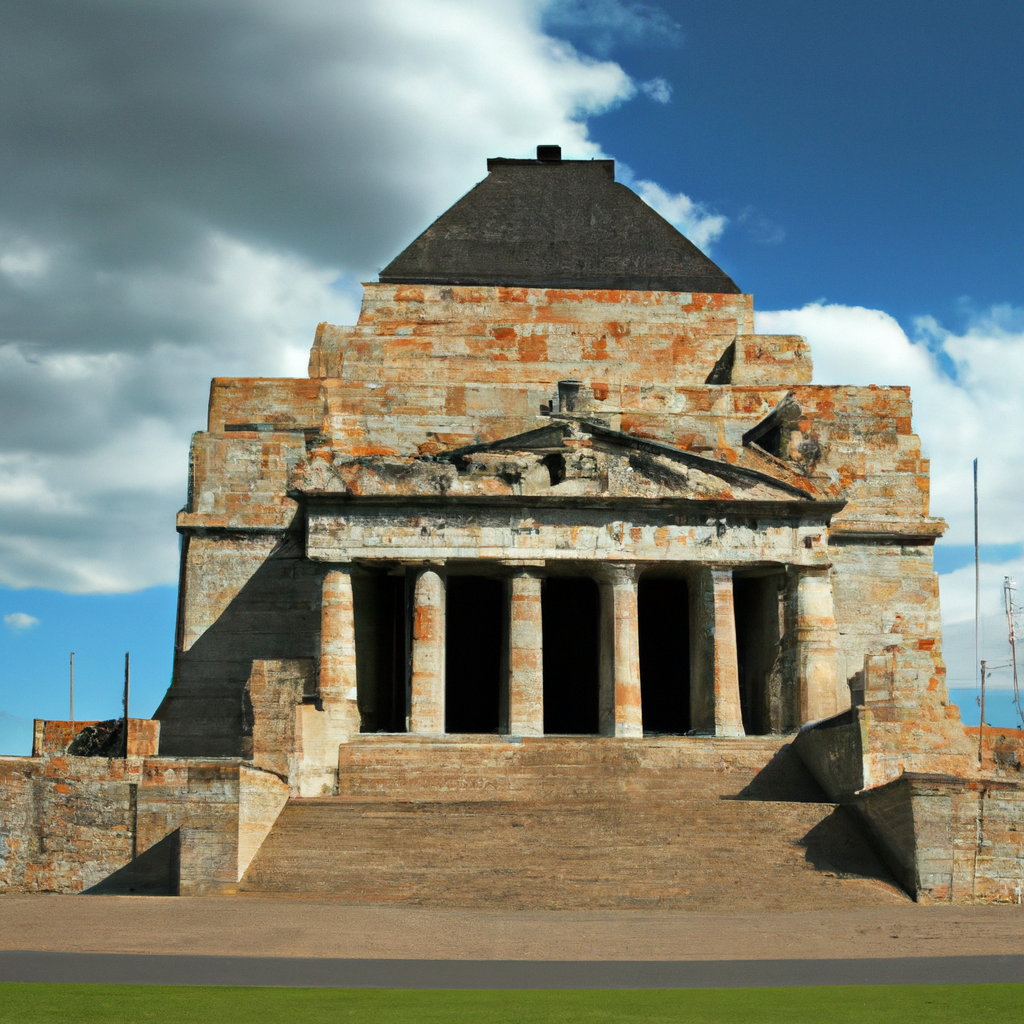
x=572 y=823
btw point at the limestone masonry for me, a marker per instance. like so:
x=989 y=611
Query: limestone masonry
x=549 y=558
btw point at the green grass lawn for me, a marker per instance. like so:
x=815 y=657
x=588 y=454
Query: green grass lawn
x=136 y=1004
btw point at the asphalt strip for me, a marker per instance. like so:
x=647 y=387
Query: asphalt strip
x=145 y=969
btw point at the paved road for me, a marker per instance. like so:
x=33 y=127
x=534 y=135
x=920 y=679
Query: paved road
x=136 y=969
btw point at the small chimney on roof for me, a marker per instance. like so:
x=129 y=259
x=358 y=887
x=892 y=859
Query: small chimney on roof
x=549 y=154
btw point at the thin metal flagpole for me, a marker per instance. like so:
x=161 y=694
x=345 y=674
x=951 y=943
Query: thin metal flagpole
x=977 y=580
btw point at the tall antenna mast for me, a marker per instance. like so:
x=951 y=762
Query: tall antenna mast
x=1009 y=586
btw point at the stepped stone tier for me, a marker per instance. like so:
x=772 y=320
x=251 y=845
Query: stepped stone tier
x=549 y=556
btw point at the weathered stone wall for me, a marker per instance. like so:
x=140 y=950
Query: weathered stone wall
x=241 y=481
x=70 y=822
x=294 y=732
x=1001 y=750
x=55 y=737
x=950 y=839
x=907 y=722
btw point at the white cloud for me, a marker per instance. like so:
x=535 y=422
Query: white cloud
x=20 y=620
x=607 y=23
x=657 y=89
x=700 y=225
x=96 y=459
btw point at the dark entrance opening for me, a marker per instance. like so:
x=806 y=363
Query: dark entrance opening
x=664 y=612
x=570 y=610
x=380 y=622
x=756 y=607
x=474 y=669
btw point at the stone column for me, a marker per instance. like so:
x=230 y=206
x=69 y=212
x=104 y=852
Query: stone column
x=816 y=643
x=426 y=712
x=525 y=657
x=337 y=684
x=621 y=712
x=322 y=727
x=714 y=667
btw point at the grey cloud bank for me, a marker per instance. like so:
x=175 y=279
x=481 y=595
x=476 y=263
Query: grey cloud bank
x=189 y=189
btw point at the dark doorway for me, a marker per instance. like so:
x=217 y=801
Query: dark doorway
x=756 y=606
x=380 y=651
x=570 y=609
x=474 y=670
x=664 y=612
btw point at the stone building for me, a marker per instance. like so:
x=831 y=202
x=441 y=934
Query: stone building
x=552 y=524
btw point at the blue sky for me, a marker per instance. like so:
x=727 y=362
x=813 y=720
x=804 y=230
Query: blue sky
x=190 y=188
x=874 y=147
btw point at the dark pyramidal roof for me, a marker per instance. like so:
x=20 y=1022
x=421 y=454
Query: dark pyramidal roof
x=553 y=223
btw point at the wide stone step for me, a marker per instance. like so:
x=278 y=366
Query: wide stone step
x=695 y=852
x=532 y=768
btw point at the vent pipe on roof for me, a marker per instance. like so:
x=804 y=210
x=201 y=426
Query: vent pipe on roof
x=549 y=154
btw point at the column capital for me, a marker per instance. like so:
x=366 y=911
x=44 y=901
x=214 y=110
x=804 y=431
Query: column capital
x=809 y=570
x=620 y=573
x=529 y=572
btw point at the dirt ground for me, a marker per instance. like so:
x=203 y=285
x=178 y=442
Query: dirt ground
x=282 y=926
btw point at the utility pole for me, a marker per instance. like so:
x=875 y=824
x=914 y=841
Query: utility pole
x=72 y=696
x=126 y=677
x=981 y=722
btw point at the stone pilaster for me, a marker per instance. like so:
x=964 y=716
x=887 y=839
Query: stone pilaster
x=426 y=712
x=714 y=667
x=621 y=712
x=816 y=642
x=526 y=657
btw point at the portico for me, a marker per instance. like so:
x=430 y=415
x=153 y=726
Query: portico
x=573 y=647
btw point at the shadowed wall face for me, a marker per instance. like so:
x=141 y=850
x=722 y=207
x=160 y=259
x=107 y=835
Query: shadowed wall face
x=758 y=632
x=380 y=624
x=663 y=607
x=274 y=616
x=474 y=670
x=571 y=611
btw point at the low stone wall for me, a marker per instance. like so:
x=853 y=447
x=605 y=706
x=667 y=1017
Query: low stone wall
x=69 y=823
x=1002 y=751
x=832 y=751
x=949 y=839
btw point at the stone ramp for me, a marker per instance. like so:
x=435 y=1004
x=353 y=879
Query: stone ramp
x=575 y=824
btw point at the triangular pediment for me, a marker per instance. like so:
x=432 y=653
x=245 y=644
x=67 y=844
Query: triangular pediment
x=569 y=458
x=584 y=456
